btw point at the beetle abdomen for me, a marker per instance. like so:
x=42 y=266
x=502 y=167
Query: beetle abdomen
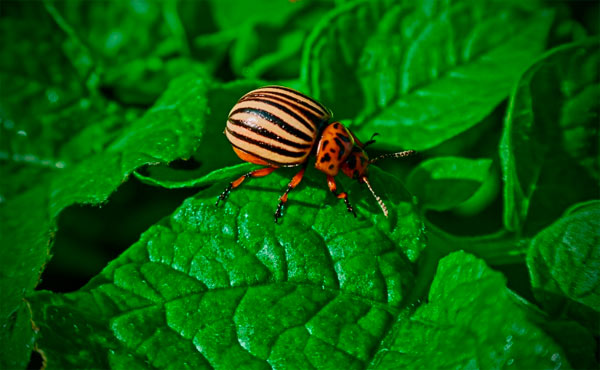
x=276 y=125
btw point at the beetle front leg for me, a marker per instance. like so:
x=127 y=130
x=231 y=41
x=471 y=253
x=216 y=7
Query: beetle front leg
x=262 y=172
x=343 y=195
x=293 y=183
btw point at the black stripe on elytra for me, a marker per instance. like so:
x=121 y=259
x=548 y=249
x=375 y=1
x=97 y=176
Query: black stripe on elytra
x=259 y=157
x=309 y=115
x=279 y=95
x=269 y=147
x=300 y=94
x=311 y=125
x=266 y=133
x=274 y=120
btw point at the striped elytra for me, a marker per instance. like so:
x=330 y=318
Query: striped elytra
x=276 y=126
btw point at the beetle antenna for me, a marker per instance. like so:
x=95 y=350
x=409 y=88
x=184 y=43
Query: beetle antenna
x=381 y=204
x=406 y=153
x=371 y=140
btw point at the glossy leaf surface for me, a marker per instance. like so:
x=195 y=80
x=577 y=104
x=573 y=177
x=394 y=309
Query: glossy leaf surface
x=470 y=320
x=420 y=73
x=445 y=182
x=215 y=287
x=564 y=264
x=550 y=138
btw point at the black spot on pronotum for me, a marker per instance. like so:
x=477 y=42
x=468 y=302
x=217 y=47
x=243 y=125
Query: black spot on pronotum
x=325 y=158
x=352 y=162
x=342 y=150
x=343 y=138
x=341 y=153
x=331 y=167
x=336 y=125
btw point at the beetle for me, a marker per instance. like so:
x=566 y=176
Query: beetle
x=276 y=126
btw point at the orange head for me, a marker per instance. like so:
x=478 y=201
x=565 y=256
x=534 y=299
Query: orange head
x=338 y=148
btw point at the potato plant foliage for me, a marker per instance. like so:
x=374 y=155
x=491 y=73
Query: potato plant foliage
x=112 y=155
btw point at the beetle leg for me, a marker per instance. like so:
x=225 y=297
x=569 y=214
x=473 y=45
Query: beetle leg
x=343 y=195
x=293 y=183
x=262 y=172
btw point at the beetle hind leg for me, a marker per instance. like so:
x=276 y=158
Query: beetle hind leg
x=293 y=183
x=262 y=172
x=343 y=195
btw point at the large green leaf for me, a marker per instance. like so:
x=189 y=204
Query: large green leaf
x=443 y=183
x=549 y=148
x=267 y=36
x=576 y=340
x=44 y=100
x=17 y=338
x=172 y=129
x=470 y=320
x=564 y=263
x=226 y=287
x=51 y=111
x=420 y=72
x=134 y=47
x=170 y=179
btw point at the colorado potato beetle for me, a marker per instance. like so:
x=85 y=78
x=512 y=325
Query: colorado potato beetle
x=276 y=126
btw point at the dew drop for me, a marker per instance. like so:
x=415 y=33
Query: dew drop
x=51 y=95
x=113 y=40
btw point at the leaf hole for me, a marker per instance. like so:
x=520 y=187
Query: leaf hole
x=89 y=237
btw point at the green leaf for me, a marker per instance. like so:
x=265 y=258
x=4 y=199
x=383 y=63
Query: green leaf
x=268 y=33
x=17 y=339
x=564 y=263
x=443 y=183
x=496 y=248
x=226 y=287
x=549 y=148
x=135 y=47
x=44 y=100
x=577 y=341
x=51 y=111
x=420 y=72
x=470 y=320
x=172 y=129
x=170 y=179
